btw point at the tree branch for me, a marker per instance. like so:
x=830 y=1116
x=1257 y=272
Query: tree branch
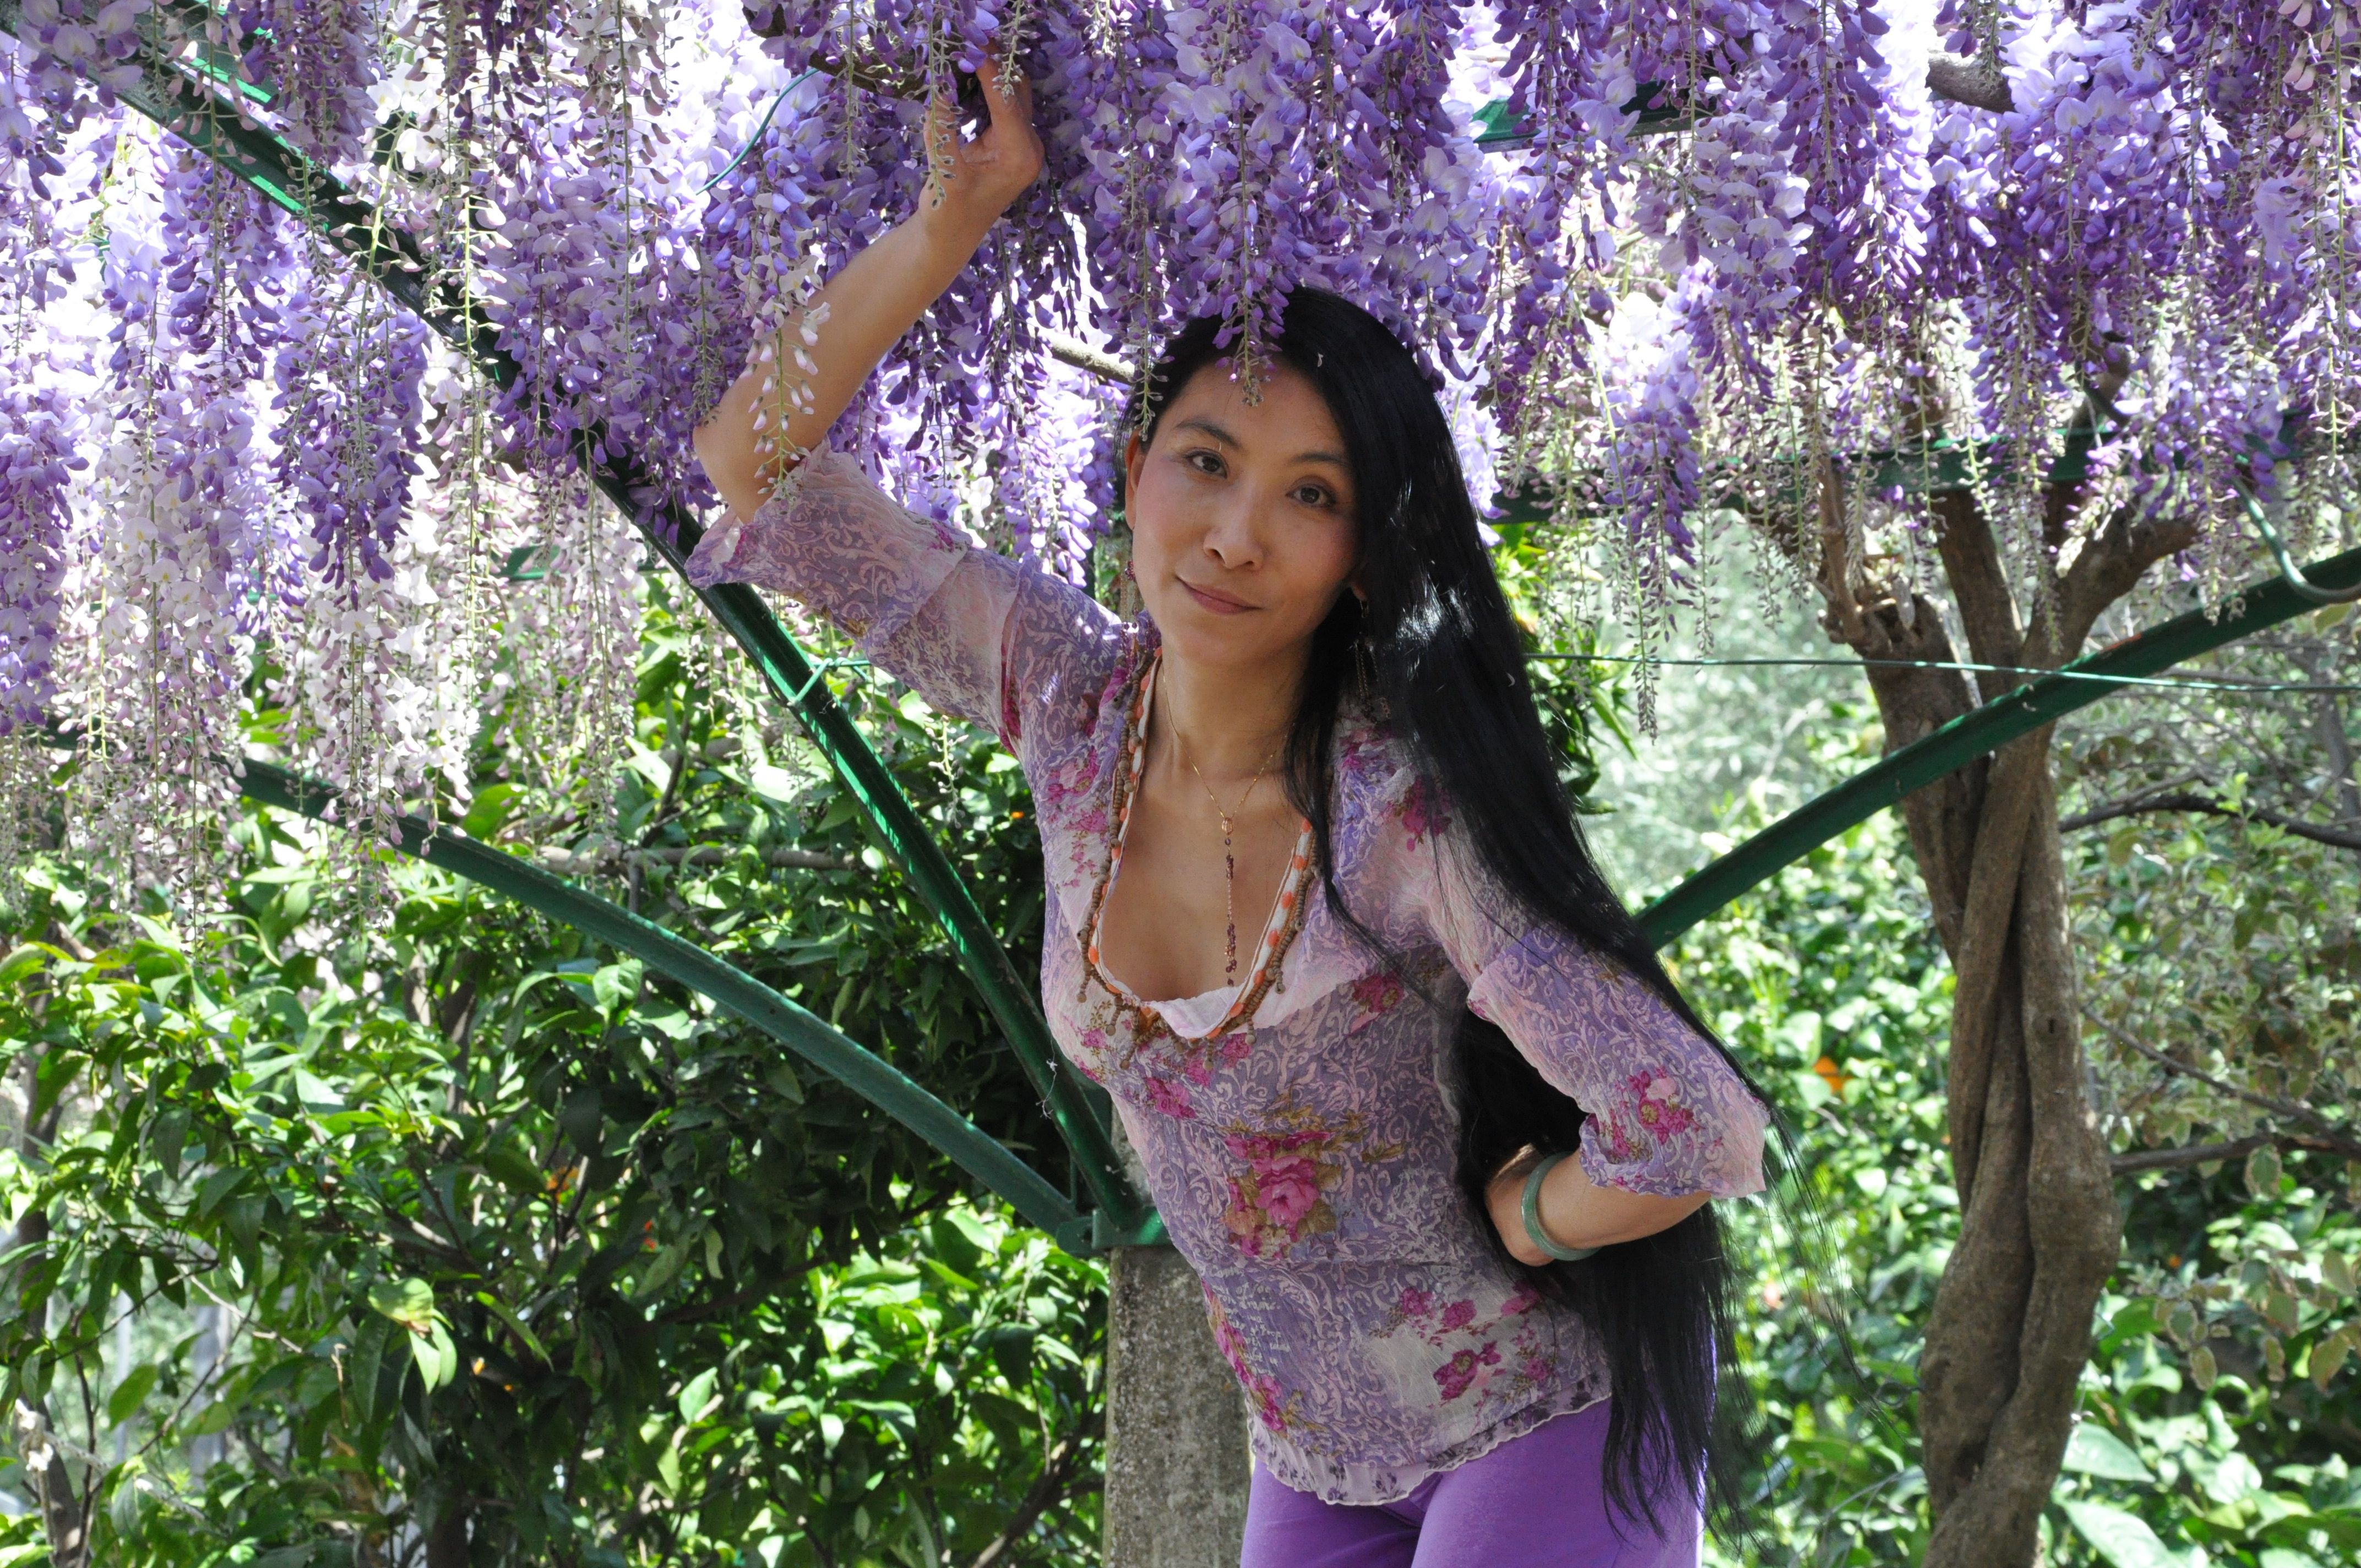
x=566 y=862
x=2190 y=800
x=2140 y=1160
x=2330 y=1138
x=1054 y=1481
x=1971 y=80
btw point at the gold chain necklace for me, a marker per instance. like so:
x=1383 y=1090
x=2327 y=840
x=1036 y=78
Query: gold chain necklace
x=1229 y=856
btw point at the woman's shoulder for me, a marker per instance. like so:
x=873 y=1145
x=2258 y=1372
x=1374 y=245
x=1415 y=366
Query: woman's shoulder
x=1379 y=788
x=1389 y=822
x=1074 y=669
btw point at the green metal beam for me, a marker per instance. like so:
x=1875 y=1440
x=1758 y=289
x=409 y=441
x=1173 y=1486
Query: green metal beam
x=282 y=173
x=877 y=1080
x=2263 y=605
x=184 y=99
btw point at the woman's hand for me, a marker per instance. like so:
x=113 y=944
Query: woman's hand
x=1576 y=1210
x=971 y=183
x=872 y=300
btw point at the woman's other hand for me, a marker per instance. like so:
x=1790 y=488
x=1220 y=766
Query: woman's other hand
x=863 y=310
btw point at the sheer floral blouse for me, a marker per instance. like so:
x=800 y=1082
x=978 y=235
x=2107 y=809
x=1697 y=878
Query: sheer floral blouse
x=1297 y=1129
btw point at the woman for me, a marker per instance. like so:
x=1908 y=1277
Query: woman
x=1353 y=1109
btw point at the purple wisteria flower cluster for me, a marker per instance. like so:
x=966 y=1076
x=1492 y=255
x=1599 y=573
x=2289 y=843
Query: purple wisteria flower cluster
x=1655 y=253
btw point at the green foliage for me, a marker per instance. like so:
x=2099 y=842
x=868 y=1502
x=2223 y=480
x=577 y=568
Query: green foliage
x=1830 y=983
x=444 y=1232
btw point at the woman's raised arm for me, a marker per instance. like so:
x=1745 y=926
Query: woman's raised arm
x=875 y=298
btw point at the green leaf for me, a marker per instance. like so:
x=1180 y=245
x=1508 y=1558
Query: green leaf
x=437 y=1358
x=2263 y=1172
x=696 y=1394
x=215 y=1417
x=661 y=1271
x=513 y=1171
x=616 y=983
x=2123 y=1539
x=24 y=961
x=2281 y=1557
x=409 y=1302
x=314 y=1094
x=131 y=1393
x=525 y=1336
x=2234 y=1479
x=775 y=783
x=216 y=1188
x=651 y=767
x=490 y=811
x=2092 y=1450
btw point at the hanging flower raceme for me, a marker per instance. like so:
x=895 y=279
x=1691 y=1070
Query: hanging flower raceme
x=41 y=435
x=320 y=58
x=1655 y=253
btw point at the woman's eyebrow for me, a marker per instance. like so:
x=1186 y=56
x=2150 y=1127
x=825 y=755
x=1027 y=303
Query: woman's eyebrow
x=1200 y=423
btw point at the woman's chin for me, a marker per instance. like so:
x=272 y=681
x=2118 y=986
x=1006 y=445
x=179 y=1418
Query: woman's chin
x=1220 y=644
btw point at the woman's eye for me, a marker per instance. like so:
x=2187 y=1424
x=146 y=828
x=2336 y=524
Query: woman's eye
x=1204 y=461
x=1313 y=495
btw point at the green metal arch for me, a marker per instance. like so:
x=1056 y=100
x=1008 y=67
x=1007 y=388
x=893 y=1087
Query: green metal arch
x=2262 y=605
x=186 y=100
x=189 y=107
x=869 y=1075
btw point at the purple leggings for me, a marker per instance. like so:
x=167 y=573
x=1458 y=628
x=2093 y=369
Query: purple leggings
x=1537 y=1501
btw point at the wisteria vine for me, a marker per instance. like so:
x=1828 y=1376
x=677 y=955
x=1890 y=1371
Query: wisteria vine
x=1658 y=254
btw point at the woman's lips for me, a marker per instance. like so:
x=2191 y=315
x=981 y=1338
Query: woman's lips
x=1220 y=604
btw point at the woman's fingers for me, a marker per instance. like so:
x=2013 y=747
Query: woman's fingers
x=1007 y=152
x=1006 y=106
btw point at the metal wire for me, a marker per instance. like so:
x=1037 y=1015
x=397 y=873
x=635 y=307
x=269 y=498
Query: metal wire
x=2190 y=683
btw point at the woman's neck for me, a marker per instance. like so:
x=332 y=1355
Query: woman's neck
x=1228 y=723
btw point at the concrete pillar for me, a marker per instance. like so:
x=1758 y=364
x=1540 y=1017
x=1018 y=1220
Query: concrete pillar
x=1176 y=1464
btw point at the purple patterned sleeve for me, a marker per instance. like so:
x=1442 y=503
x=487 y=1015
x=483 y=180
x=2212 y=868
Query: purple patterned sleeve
x=972 y=632
x=1668 y=1116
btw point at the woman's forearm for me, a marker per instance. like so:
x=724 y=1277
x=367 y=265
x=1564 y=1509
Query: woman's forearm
x=869 y=304
x=751 y=436
x=1577 y=1211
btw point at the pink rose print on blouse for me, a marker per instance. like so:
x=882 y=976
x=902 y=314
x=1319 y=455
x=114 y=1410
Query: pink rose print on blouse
x=1070 y=780
x=1647 y=1116
x=1459 y=1374
x=1475 y=1361
x=1374 y=996
x=1422 y=815
x=1170 y=1098
x=1282 y=1195
x=1276 y=1200
x=1361 y=752
x=1271 y=1407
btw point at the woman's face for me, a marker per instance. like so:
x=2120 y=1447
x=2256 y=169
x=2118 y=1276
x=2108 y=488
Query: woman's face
x=1242 y=521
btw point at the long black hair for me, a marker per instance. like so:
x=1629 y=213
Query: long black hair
x=1447 y=668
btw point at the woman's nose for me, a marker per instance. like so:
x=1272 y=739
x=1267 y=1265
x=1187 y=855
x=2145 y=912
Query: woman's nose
x=1235 y=538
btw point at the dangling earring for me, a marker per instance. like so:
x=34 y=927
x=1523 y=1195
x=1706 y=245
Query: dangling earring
x=1365 y=659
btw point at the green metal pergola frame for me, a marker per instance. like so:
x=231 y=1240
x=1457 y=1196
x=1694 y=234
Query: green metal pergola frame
x=188 y=98
x=801 y=1031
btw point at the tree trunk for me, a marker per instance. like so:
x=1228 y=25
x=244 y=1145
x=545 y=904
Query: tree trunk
x=2038 y=1227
